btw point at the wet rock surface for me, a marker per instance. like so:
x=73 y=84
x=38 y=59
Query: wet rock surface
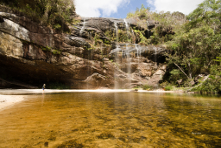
x=35 y=54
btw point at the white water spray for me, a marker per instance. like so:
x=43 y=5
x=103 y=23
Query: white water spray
x=128 y=63
x=127 y=26
x=82 y=29
x=138 y=55
x=116 y=29
x=116 y=86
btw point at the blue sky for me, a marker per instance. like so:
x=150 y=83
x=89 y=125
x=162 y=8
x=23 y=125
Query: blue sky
x=120 y=8
x=130 y=7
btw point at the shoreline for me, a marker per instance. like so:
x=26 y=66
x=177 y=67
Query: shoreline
x=9 y=97
x=54 y=91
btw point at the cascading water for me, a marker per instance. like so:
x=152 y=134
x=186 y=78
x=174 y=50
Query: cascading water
x=128 y=63
x=116 y=29
x=133 y=36
x=126 y=24
x=128 y=54
x=116 y=86
x=83 y=27
x=138 y=54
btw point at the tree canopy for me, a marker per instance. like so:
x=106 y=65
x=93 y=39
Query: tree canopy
x=55 y=13
x=195 y=45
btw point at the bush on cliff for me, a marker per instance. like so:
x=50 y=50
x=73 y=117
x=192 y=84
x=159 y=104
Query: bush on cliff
x=197 y=44
x=166 y=23
x=213 y=83
x=54 y=13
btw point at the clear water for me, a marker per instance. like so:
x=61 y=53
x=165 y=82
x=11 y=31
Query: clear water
x=112 y=120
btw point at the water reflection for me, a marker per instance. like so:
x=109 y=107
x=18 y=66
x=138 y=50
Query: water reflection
x=112 y=120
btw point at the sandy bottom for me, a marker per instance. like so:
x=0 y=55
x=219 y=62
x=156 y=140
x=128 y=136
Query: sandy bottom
x=112 y=120
x=9 y=100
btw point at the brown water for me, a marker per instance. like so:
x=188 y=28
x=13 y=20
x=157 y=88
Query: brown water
x=112 y=120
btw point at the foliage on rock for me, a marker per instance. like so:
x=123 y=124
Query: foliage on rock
x=213 y=83
x=197 y=44
x=55 y=13
x=166 y=23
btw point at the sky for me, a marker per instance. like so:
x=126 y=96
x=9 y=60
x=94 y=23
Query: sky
x=120 y=8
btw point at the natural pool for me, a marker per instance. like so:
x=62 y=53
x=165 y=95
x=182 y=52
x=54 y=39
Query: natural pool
x=112 y=120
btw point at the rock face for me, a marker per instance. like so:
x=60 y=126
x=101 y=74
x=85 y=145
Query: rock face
x=90 y=56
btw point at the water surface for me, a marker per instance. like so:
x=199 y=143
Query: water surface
x=112 y=120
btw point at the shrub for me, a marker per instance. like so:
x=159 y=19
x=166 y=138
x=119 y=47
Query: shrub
x=168 y=87
x=147 y=87
x=55 y=13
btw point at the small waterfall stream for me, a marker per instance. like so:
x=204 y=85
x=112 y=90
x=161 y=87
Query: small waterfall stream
x=128 y=63
x=83 y=27
x=116 y=86
x=116 y=29
x=126 y=24
x=128 y=54
x=131 y=52
x=138 y=55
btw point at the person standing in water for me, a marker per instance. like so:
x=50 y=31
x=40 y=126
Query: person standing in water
x=43 y=87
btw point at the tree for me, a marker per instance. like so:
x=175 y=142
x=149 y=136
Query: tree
x=197 y=44
x=54 y=13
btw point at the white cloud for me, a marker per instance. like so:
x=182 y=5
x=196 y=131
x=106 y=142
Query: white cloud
x=151 y=2
x=184 y=6
x=97 y=8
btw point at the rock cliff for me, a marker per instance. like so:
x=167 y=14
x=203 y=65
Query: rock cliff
x=96 y=53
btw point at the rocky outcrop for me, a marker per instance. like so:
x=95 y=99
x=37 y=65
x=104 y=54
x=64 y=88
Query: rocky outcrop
x=90 y=56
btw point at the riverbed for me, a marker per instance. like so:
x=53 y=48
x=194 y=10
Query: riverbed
x=112 y=119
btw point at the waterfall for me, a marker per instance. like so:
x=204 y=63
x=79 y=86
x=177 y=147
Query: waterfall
x=136 y=46
x=127 y=27
x=128 y=54
x=126 y=24
x=82 y=29
x=133 y=36
x=88 y=68
x=116 y=29
x=138 y=56
x=128 y=63
x=116 y=86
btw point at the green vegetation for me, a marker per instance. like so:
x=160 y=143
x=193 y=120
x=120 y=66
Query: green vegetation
x=54 y=13
x=46 y=48
x=195 y=47
x=111 y=35
x=168 y=87
x=141 y=38
x=213 y=83
x=123 y=36
x=166 y=24
x=193 y=42
x=56 y=51
x=141 y=13
x=147 y=87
